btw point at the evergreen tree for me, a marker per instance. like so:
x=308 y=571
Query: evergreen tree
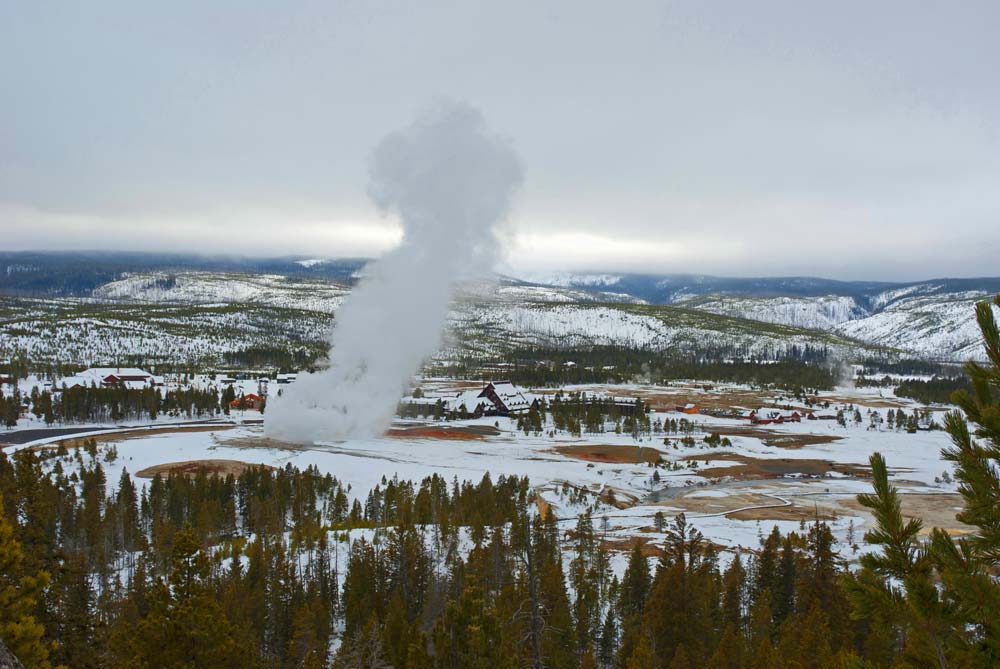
x=635 y=584
x=942 y=599
x=185 y=626
x=19 y=593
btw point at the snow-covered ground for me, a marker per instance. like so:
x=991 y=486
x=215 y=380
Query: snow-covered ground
x=731 y=511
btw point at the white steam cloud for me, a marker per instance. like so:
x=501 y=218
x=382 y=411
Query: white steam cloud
x=451 y=181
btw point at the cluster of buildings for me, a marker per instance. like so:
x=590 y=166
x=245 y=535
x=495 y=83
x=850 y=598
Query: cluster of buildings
x=503 y=398
x=499 y=398
x=132 y=378
x=768 y=416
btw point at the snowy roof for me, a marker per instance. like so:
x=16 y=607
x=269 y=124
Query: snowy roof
x=772 y=413
x=73 y=381
x=470 y=398
x=509 y=394
x=104 y=372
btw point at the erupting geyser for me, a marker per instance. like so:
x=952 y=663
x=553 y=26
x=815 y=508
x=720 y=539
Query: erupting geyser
x=450 y=180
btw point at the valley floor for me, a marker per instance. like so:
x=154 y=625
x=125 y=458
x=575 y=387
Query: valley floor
x=782 y=475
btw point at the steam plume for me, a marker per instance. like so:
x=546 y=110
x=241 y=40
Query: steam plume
x=450 y=180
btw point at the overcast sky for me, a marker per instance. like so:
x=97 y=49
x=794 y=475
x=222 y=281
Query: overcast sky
x=840 y=139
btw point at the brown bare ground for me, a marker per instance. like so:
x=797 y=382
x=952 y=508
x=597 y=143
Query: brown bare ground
x=776 y=438
x=80 y=442
x=463 y=433
x=647 y=548
x=690 y=502
x=771 y=468
x=793 y=512
x=610 y=453
x=195 y=467
x=936 y=510
x=263 y=442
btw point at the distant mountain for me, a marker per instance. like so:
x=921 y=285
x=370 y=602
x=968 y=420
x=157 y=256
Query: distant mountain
x=78 y=273
x=929 y=319
x=932 y=319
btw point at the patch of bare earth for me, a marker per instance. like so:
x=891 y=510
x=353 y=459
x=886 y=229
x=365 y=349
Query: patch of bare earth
x=646 y=547
x=610 y=453
x=694 y=501
x=262 y=442
x=196 y=467
x=775 y=438
x=797 y=510
x=462 y=432
x=749 y=468
x=934 y=509
x=114 y=437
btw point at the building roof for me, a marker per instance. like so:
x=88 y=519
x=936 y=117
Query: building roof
x=470 y=398
x=105 y=372
x=249 y=398
x=511 y=396
x=771 y=413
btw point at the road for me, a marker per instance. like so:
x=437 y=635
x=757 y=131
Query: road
x=19 y=437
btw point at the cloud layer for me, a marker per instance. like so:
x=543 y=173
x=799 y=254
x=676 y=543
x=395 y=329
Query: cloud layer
x=847 y=139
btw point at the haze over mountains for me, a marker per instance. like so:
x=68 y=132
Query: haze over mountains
x=932 y=319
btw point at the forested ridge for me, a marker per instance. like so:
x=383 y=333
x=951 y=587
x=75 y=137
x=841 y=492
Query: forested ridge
x=804 y=367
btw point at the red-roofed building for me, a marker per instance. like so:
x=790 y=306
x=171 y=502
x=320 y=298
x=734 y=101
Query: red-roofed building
x=252 y=402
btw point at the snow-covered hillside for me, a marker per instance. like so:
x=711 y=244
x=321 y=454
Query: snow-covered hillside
x=820 y=313
x=938 y=326
x=927 y=320
x=218 y=288
x=660 y=328
x=570 y=279
x=199 y=315
x=84 y=332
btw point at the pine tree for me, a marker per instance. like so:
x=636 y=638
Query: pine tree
x=19 y=593
x=185 y=626
x=730 y=653
x=968 y=567
x=642 y=657
x=733 y=594
x=680 y=659
x=635 y=583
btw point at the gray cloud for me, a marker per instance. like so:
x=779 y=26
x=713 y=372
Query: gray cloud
x=845 y=139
